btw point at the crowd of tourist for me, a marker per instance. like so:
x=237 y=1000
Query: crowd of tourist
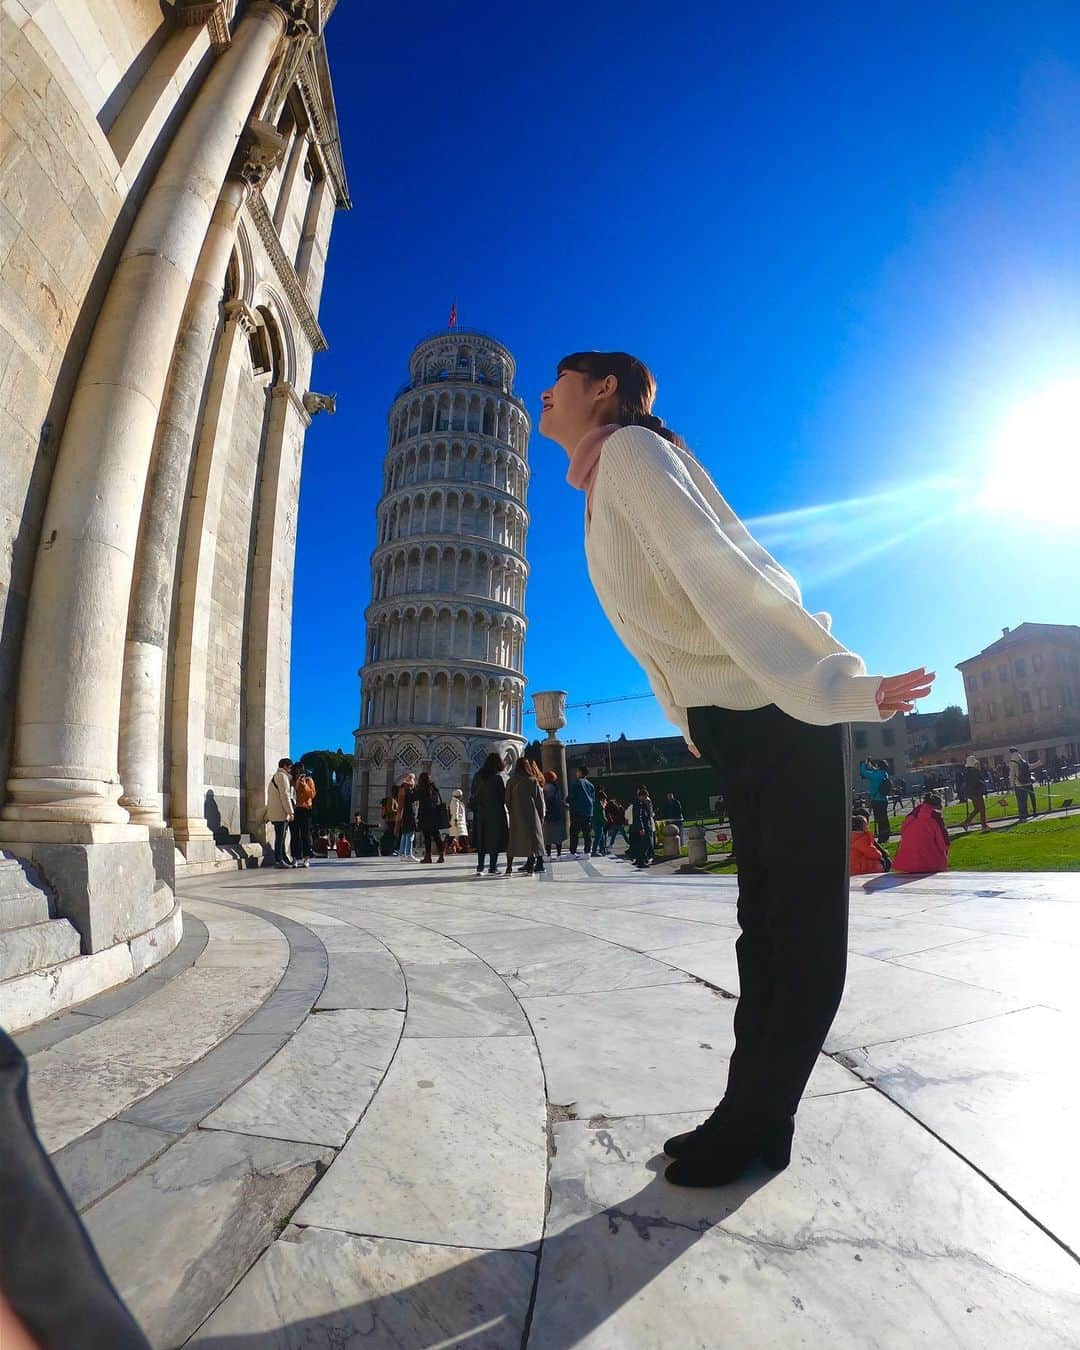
x=520 y=817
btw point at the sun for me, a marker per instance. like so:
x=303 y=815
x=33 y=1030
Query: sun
x=1034 y=468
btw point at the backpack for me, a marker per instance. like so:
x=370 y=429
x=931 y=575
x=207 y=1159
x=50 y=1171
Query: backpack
x=1023 y=770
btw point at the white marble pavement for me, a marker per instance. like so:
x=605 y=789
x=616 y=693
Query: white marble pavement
x=396 y=1109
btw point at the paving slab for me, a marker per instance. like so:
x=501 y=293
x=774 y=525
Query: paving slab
x=1028 y=968
x=319 y=1084
x=316 y=1288
x=100 y=1160
x=178 y=1235
x=1001 y=1094
x=603 y=1058
x=460 y=998
x=544 y=960
x=366 y=979
x=424 y=1163
x=885 y=1002
x=193 y=1094
x=875 y=1238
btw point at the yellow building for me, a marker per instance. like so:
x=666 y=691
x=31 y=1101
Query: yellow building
x=1024 y=690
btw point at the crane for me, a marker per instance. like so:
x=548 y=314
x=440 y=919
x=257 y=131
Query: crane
x=591 y=703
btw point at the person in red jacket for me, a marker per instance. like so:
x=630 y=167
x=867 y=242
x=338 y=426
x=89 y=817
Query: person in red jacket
x=924 y=840
x=867 y=855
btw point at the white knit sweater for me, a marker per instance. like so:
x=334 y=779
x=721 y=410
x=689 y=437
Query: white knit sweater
x=711 y=616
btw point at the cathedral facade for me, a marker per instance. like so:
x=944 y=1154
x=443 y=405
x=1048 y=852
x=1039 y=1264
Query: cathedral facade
x=442 y=684
x=169 y=179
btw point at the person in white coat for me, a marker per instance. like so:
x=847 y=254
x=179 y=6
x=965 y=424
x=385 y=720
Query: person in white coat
x=280 y=809
x=457 y=831
x=764 y=691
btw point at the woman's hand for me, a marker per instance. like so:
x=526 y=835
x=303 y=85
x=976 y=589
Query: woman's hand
x=693 y=749
x=898 y=693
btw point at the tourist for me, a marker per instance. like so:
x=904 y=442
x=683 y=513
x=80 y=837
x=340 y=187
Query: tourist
x=342 y=846
x=673 y=812
x=581 y=809
x=554 y=814
x=388 y=815
x=616 y=825
x=406 y=816
x=300 y=830
x=525 y=802
x=876 y=773
x=363 y=845
x=764 y=690
x=457 y=832
x=1022 y=784
x=599 y=822
x=280 y=809
x=973 y=792
x=642 y=829
x=924 y=840
x=431 y=813
x=488 y=803
x=867 y=855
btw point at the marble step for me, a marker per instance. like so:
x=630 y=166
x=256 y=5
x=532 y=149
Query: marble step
x=24 y=896
x=37 y=945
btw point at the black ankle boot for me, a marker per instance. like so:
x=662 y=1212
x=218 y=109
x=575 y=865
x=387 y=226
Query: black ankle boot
x=722 y=1154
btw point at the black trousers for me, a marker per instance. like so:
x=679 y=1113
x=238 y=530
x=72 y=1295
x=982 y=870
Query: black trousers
x=793 y=894
x=580 y=825
x=882 y=829
x=300 y=834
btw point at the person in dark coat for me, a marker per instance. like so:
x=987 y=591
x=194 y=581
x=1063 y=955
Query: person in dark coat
x=525 y=802
x=973 y=792
x=487 y=800
x=554 y=814
x=642 y=829
x=429 y=808
x=581 y=809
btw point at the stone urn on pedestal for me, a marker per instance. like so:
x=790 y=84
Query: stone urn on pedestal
x=549 y=709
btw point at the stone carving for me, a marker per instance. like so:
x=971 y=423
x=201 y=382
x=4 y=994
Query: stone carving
x=317 y=403
x=216 y=15
x=261 y=146
x=285 y=272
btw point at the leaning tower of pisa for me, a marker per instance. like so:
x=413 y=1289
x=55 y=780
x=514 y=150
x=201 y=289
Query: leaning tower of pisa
x=442 y=685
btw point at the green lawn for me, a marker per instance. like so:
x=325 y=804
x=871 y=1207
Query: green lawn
x=1038 y=846
x=954 y=814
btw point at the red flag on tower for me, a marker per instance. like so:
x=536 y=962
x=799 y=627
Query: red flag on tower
x=453 y=314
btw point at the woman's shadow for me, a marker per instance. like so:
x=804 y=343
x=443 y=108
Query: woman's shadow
x=589 y=1268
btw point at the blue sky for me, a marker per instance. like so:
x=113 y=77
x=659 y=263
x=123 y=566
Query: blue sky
x=846 y=242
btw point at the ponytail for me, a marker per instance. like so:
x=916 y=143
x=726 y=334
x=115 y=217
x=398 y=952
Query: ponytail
x=637 y=388
x=656 y=424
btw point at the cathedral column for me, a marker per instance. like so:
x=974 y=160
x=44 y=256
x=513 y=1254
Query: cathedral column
x=68 y=709
x=269 y=626
x=155 y=561
x=191 y=640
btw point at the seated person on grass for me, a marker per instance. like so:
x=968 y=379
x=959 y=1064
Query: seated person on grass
x=924 y=840
x=867 y=855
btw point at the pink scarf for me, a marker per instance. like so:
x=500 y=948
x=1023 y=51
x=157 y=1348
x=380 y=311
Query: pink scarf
x=585 y=463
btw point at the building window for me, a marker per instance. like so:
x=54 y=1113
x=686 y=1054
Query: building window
x=1044 y=700
x=989 y=712
x=986 y=677
x=1019 y=666
x=971 y=682
x=1025 y=701
x=860 y=740
x=888 y=736
x=1010 y=708
x=976 y=716
x=1036 y=661
x=1003 y=674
